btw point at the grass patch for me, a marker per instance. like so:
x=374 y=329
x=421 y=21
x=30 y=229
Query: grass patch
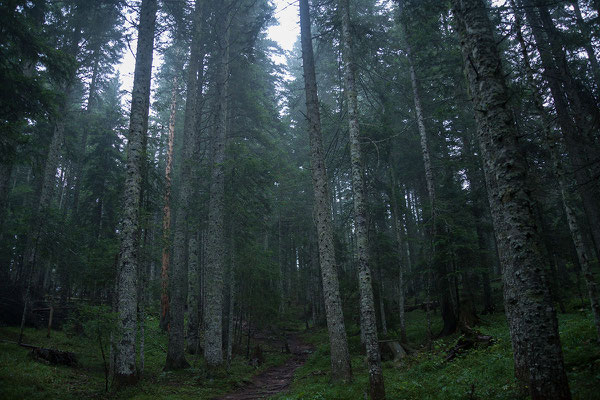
x=22 y=377
x=479 y=374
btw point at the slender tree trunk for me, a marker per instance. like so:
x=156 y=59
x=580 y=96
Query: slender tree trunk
x=575 y=122
x=230 y=314
x=193 y=296
x=448 y=311
x=125 y=366
x=384 y=328
x=530 y=311
x=176 y=354
x=166 y=222
x=340 y=357
x=79 y=161
x=587 y=45
x=39 y=220
x=281 y=268
x=367 y=306
x=400 y=250
x=213 y=345
x=6 y=167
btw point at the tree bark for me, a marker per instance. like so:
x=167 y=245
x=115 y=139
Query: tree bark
x=166 y=223
x=583 y=254
x=575 y=120
x=80 y=159
x=231 y=302
x=176 y=346
x=213 y=342
x=384 y=329
x=340 y=357
x=6 y=167
x=367 y=306
x=587 y=45
x=448 y=310
x=530 y=311
x=400 y=250
x=193 y=296
x=125 y=366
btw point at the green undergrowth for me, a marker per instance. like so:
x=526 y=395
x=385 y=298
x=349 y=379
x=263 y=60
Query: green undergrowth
x=21 y=377
x=485 y=373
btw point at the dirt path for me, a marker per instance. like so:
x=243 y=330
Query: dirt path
x=276 y=379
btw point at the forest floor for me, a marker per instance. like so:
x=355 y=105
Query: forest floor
x=479 y=374
x=275 y=380
x=485 y=373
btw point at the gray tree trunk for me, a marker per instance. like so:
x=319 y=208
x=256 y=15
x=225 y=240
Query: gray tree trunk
x=340 y=357
x=573 y=113
x=166 y=221
x=583 y=254
x=6 y=167
x=193 y=296
x=587 y=45
x=125 y=366
x=231 y=302
x=367 y=304
x=400 y=250
x=80 y=159
x=176 y=346
x=384 y=328
x=530 y=311
x=215 y=263
x=39 y=220
x=448 y=310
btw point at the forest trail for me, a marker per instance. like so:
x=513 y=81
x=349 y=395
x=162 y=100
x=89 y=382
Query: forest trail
x=277 y=379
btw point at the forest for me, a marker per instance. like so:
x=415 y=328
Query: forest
x=405 y=205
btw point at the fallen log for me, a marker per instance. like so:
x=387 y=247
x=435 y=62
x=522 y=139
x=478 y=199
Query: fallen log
x=54 y=357
x=51 y=356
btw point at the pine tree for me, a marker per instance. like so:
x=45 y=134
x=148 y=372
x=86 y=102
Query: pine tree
x=529 y=308
x=368 y=323
x=125 y=368
x=340 y=358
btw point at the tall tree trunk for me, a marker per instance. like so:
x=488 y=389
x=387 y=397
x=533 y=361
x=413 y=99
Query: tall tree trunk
x=530 y=311
x=215 y=263
x=340 y=357
x=193 y=296
x=367 y=306
x=575 y=120
x=80 y=159
x=125 y=367
x=583 y=254
x=176 y=346
x=384 y=328
x=400 y=250
x=40 y=217
x=231 y=301
x=448 y=310
x=166 y=222
x=6 y=167
x=587 y=45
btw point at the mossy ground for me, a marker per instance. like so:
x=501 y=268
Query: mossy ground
x=478 y=374
x=484 y=374
x=21 y=377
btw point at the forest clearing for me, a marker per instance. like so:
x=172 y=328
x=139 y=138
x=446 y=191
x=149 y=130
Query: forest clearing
x=307 y=199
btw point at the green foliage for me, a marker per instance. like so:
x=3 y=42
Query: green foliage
x=23 y=377
x=485 y=373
